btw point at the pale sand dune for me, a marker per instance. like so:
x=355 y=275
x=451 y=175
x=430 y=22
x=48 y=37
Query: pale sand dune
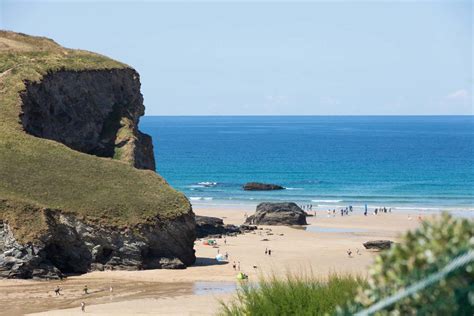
x=293 y=250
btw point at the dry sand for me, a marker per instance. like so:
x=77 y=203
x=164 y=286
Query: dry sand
x=175 y=292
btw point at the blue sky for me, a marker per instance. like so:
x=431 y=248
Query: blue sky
x=274 y=58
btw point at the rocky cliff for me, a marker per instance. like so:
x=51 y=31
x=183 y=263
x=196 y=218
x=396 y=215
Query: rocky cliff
x=78 y=191
x=92 y=111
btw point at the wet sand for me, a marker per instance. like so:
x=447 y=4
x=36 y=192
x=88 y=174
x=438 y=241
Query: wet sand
x=319 y=250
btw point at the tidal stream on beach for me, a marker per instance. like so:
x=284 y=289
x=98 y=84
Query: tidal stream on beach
x=19 y=297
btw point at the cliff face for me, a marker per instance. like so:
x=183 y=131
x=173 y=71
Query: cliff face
x=64 y=209
x=92 y=111
x=69 y=245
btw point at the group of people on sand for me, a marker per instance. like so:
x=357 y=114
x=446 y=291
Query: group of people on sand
x=382 y=210
x=85 y=290
x=349 y=209
x=349 y=252
x=343 y=211
x=306 y=207
x=236 y=263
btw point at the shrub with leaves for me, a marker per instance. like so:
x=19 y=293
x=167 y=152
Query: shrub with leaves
x=420 y=254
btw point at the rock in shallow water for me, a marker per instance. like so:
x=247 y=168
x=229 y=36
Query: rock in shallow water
x=257 y=186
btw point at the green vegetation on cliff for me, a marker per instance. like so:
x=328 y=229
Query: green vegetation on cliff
x=39 y=173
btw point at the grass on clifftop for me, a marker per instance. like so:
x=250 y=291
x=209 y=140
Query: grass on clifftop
x=295 y=295
x=44 y=173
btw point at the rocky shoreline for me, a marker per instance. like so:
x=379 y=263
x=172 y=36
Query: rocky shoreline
x=72 y=246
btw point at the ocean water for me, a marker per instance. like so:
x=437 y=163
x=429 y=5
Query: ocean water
x=425 y=162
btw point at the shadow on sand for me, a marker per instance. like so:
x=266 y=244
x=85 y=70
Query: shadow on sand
x=202 y=262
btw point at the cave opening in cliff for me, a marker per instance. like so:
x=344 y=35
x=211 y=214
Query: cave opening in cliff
x=105 y=255
x=67 y=258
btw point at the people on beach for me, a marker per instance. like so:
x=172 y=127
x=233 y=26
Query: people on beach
x=86 y=291
x=269 y=252
x=349 y=253
x=83 y=306
x=358 y=252
x=226 y=255
x=57 y=290
x=234 y=266
x=266 y=251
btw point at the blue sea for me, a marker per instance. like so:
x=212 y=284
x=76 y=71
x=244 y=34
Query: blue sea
x=421 y=162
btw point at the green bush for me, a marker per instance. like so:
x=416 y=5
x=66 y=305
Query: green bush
x=294 y=295
x=420 y=254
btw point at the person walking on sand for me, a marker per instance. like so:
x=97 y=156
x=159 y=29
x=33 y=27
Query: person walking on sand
x=365 y=212
x=57 y=290
x=266 y=251
x=349 y=253
x=270 y=252
x=86 y=290
x=233 y=265
x=83 y=307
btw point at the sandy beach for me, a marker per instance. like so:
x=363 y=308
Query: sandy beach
x=319 y=249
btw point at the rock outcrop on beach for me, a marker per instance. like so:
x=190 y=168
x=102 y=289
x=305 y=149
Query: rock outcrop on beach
x=277 y=214
x=378 y=244
x=71 y=246
x=207 y=226
x=214 y=227
x=257 y=186
x=78 y=190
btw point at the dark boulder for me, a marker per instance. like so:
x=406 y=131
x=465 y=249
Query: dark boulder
x=378 y=244
x=277 y=214
x=207 y=226
x=257 y=186
x=247 y=228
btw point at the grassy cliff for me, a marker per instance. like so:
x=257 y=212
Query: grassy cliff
x=39 y=173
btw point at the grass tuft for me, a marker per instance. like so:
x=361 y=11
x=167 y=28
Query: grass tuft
x=293 y=295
